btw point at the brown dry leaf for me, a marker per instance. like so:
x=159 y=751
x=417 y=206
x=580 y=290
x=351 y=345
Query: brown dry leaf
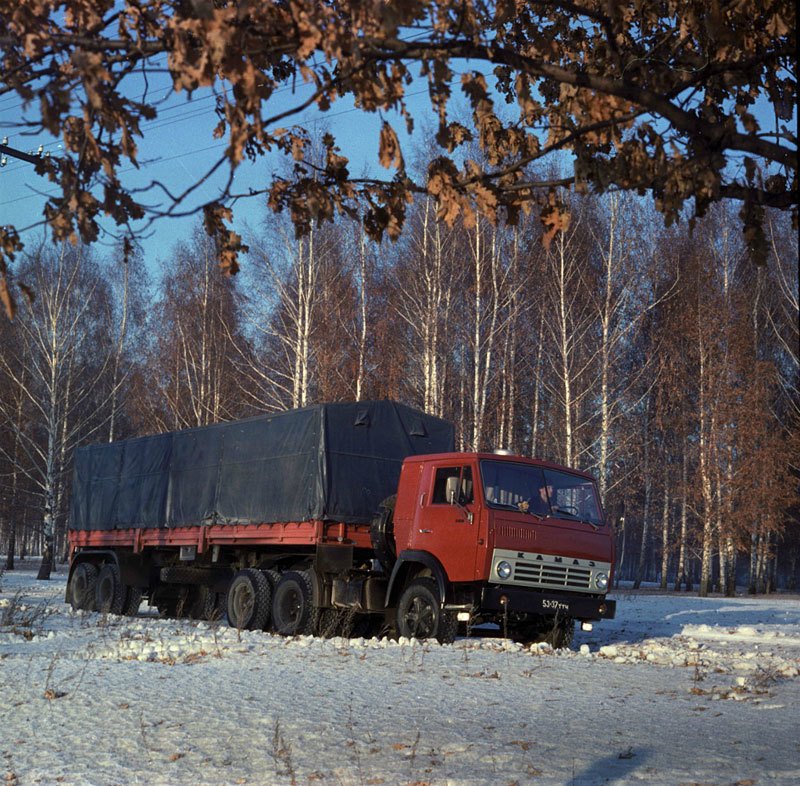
x=389 y=148
x=555 y=219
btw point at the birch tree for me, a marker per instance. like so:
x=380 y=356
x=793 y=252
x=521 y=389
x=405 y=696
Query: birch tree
x=426 y=287
x=190 y=377
x=493 y=287
x=58 y=365
x=627 y=290
x=300 y=309
x=570 y=362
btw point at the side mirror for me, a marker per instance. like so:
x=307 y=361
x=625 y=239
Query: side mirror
x=451 y=490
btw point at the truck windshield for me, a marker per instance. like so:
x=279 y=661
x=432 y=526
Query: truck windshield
x=541 y=492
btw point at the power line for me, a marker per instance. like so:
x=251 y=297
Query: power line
x=194 y=151
x=189 y=113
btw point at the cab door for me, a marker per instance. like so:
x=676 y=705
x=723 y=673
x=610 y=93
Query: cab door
x=446 y=529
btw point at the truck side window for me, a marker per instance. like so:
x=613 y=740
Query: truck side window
x=440 y=485
x=466 y=486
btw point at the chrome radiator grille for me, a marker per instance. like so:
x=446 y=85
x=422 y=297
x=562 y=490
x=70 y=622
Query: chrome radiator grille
x=542 y=574
x=548 y=571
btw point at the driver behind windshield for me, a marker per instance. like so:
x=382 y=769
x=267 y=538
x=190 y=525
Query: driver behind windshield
x=538 y=504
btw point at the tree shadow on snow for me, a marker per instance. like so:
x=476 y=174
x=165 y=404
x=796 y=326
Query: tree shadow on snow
x=614 y=768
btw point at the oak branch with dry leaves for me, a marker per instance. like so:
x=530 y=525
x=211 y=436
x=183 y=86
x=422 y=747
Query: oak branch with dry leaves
x=691 y=101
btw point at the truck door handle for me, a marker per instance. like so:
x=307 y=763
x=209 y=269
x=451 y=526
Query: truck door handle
x=425 y=531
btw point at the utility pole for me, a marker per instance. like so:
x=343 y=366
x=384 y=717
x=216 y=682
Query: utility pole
x=5 y=151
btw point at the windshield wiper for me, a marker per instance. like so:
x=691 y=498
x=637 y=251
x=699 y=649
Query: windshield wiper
x=576 y=517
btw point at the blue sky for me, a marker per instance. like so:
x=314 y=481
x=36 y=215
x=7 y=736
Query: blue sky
x=178 y=145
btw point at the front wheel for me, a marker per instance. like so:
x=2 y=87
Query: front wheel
x=420 y=614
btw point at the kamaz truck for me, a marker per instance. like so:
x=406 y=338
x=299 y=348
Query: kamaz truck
x=339 y=519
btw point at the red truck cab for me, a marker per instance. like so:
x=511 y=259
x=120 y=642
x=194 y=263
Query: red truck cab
x=507 y=539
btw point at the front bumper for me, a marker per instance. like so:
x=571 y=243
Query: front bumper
x=492 y=599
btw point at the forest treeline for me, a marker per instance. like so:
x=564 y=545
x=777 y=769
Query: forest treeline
x=662 y=360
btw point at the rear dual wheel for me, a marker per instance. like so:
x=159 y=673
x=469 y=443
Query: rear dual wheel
x=286 y=599
x=249 y=600
x=293 y=609
x=133 y=599
x=110 y=592
x=82 y=587
x=93 y=589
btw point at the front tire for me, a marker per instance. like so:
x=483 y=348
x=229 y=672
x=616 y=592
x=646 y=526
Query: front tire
x=420 y=614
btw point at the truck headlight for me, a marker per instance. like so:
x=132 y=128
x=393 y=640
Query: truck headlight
x=600 y=581
x=503 y=569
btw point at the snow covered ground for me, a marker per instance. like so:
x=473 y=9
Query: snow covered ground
x=676 y=690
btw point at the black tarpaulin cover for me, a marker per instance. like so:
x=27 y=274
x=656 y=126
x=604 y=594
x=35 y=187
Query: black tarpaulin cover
x=330 y=461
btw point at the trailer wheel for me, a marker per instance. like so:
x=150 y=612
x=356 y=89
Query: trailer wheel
x=329 y=623
x=381 y=534
x=168 y=605
x=82 y=587
x=212 y=605
x=347 y=623
x=273 y=577
x=249 y=600
x=133 y=599
x=420 y=614
x=110 y=591
x=293 y=610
